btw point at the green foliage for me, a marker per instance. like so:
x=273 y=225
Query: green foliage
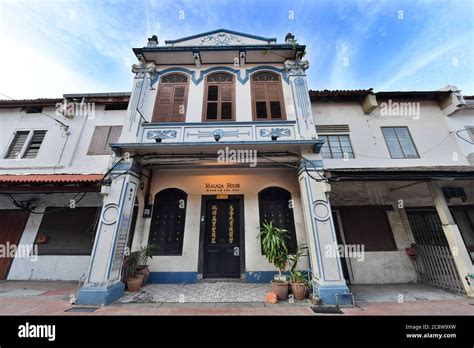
x=297 y=276
x=137 y=258
x=145 y=253
x=274 y=247
x=131 y=264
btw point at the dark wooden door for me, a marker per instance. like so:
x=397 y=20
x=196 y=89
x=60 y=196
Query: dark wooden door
x=222 y=239
x=12 y=223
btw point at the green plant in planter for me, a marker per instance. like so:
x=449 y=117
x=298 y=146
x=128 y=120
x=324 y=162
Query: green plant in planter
x=274 y=246
x=145 y=253
x=298 y=281
x=131 y=264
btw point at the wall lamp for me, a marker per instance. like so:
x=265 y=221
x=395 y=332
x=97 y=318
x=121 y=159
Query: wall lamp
x=158 y=139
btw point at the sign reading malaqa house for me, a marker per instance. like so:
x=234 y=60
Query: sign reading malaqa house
x=222 y=187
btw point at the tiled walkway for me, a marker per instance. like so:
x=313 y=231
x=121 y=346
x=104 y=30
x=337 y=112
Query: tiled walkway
x=198 y=293
x=52 y=298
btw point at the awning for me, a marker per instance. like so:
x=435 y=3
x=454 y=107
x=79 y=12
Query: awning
x=50 y=182
x=401 y=173
x=51 y=178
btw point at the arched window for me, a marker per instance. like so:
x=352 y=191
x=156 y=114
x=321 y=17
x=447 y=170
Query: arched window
x=267 y=96
x=219 y=97
x=275 y=206
x=167 y=222
x=171 y=99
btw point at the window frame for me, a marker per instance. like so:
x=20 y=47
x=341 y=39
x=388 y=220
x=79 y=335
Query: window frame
x=219 y=102
x=399 y=143
x=26 y=145
x=267 y=100
x=173 y=85
x=339 y=141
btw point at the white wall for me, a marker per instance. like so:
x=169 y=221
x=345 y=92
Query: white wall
x=463 y=119
x=368 y=143
x=59 y=152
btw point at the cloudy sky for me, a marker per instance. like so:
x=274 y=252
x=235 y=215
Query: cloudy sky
x=48 y=48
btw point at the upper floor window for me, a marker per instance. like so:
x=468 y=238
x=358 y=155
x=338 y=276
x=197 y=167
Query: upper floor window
x=25 y=144
x=171 y=100
x=102 y=137
x=219 y=98
x=267 y=97
x=399 y=142
x=336 y=146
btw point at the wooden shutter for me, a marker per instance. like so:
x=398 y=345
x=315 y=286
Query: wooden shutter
x=114 y=135
x=170 y=105
x=163 y=103
x=99 y=140
x=178 y=106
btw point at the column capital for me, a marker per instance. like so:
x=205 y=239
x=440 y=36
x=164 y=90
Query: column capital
x=296 y=67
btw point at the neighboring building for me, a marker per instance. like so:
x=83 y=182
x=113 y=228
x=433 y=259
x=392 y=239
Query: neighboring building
x=392 y=160
x=46 y=167
x=222 y=134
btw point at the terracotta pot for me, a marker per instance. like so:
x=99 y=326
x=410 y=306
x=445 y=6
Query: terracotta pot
x=134 y=284
x=298 y=290
x=145 y=270
x=280 y=288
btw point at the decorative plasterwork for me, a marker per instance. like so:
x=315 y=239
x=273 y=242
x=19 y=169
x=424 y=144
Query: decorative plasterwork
x=162 y=133
x=275 y=132
x=296 y=67
x=220 y=39
x=198 y=77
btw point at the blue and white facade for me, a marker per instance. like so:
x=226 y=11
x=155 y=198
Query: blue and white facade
x=156 y=155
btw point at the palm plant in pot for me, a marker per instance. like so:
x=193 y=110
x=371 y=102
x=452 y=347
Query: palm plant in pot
x=298 y=281
x=276 y=252
x=134 y=282
x=145 y=253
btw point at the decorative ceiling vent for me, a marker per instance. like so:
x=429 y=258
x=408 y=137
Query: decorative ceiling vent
x=454 y=192
x=333 y=128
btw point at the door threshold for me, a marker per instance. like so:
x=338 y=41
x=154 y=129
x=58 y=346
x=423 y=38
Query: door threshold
x=221 y=280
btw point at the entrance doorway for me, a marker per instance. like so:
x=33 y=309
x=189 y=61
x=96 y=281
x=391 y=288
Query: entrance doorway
x=222 y=237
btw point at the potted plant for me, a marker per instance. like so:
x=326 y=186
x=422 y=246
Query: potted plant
x=134 y=282
x=145 y=253
x=276 y=252
x=298 y=281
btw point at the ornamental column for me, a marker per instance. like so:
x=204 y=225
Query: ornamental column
x=328 y=278
x=103 y=280
x=295 y=70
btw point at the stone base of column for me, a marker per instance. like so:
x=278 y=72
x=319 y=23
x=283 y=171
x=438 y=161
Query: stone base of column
x=100 y=296
x=332 y=294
